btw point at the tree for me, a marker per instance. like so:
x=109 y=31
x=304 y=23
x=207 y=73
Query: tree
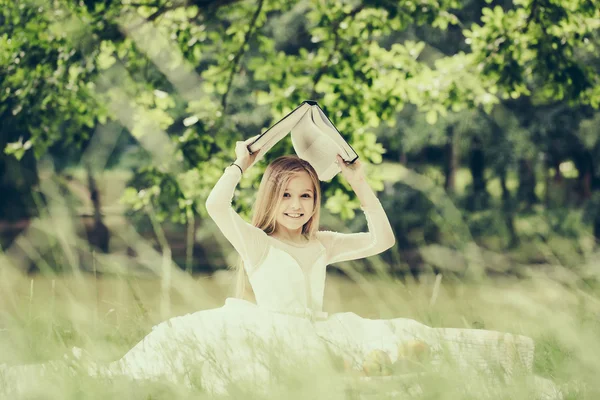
x=188 y=79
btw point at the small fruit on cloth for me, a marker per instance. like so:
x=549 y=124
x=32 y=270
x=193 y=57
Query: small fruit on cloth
x=377 y=363
x=347 y=364
x=413 y=350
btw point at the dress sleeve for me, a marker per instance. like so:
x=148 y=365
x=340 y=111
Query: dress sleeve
x=352 y=246
x=249 y=241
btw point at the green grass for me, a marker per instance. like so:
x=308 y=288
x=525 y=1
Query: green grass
x=556 y=303
x=108 y=316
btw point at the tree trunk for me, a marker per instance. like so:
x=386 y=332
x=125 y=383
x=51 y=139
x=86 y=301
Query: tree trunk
x=402 y=158
x=98 y=235
x=509 y=220
x=547 y=183
x=595 y=187
x=17 y=178
x=508 y=210
x=527 y=182
x=584 y=162
x=451 y=160
x=505 y=191
x=478 y=197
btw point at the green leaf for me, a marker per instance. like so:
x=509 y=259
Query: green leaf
x=431 y=117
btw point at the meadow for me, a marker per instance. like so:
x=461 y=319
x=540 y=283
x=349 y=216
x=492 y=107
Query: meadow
x=105 y=310
x=43 y=318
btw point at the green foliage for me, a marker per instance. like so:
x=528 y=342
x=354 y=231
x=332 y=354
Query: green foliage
x=188 y=80
x=539 y=44
x=414 y=218
x=47 y=97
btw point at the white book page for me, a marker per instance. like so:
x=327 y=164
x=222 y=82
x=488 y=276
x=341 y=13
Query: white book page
x=316 y=146
x=323 y=123
x=278 y=131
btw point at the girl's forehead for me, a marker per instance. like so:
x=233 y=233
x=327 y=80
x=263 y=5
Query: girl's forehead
x=300 y=181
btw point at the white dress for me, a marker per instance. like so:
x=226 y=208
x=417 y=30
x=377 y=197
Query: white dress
x=288 y=319
x=245 y=345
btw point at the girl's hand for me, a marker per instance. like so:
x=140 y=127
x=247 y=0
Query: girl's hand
x=353 y=173
x=243 y=157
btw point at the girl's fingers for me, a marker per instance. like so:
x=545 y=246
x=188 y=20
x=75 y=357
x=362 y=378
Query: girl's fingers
x=252 y=139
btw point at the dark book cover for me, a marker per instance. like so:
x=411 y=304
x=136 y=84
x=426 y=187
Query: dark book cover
x=314 y=137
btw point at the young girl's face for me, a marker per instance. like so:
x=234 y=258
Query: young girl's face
x=297 y=204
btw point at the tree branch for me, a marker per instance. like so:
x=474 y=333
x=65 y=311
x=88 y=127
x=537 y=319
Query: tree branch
x=161 y=9
x=203 y=6
x=531 y=16
x=336 y=41
x=238 y=56
x=156 y=4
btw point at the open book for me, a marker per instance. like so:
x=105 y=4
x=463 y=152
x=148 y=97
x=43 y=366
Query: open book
x=314 y=137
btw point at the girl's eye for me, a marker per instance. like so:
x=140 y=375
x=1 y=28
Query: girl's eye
x=306 y=195
x=286 y=195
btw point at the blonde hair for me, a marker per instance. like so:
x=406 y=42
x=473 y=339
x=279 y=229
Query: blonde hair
x=268 y=199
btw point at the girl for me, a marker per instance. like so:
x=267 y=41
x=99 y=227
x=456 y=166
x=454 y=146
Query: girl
x=286 y=335
x=284 y=256
x=285 y=227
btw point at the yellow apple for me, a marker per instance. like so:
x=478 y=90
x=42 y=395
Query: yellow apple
x=347 y=364
x=377 y=363
x=413 y=350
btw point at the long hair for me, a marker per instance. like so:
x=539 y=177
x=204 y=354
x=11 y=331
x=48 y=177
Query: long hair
x=268 y=199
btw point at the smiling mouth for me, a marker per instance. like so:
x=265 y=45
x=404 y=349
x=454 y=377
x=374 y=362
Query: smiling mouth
x=295 y=216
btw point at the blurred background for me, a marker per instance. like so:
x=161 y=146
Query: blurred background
x=477 y=120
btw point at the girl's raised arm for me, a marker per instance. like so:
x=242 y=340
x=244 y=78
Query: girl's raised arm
x=352 y=246
x=249 y=241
